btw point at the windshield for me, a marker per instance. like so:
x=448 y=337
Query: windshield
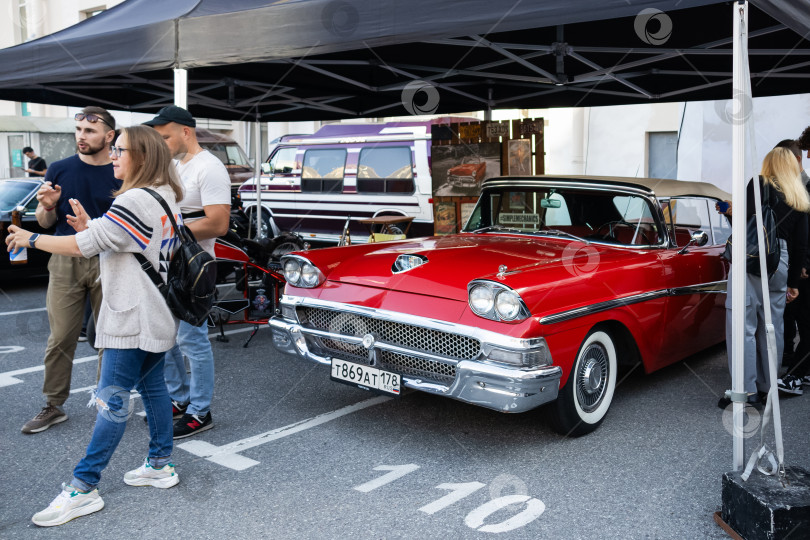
x=13 y=193
x=231 y=155
x=603 y=216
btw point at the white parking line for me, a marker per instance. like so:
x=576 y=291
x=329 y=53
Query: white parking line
x=227 y=455
x=22 y=311
x=10 y=377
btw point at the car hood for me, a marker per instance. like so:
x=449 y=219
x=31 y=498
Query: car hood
x=454 y=261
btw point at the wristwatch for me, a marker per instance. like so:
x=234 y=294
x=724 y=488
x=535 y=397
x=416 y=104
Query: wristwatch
x=32 y=241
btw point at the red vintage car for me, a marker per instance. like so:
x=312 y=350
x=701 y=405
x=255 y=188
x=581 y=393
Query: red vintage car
x=553 y=285
x=470 y=173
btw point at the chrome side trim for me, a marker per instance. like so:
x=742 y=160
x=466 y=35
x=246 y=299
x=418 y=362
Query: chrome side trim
x=714 y=287
x=484 y=336
x=603 y=306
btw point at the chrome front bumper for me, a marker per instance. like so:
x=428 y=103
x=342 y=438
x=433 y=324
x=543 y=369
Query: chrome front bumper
x=493 y=385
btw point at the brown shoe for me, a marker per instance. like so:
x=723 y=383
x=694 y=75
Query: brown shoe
x=48 y=416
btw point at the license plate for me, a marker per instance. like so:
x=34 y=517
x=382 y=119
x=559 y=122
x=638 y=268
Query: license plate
x=365 y=377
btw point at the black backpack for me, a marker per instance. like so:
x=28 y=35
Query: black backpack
x=772 y=248
x=191 y=282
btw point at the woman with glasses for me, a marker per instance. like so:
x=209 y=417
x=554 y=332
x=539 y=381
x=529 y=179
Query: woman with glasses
x=135 y=326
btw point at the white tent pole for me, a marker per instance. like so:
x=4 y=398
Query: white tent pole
x=257 y=175
x=181 y=88
x=738 y=270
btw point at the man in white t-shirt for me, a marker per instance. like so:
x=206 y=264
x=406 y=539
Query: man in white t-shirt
x=206 y=208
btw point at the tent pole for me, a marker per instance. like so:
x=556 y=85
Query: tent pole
x=181 y=88
x=738 y=269
x=257 y=174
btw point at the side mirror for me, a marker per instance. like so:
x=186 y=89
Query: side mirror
x=699 y=238
x=266 y=168
x=21 y=209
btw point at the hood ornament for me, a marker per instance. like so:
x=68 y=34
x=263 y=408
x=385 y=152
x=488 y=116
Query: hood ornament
x=502 y=270
x=408 y=261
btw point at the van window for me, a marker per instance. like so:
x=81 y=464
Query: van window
x=323 y=170
x=283 y=161
x=385 y=170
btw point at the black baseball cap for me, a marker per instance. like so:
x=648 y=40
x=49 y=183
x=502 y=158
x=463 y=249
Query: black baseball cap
x=172 y=113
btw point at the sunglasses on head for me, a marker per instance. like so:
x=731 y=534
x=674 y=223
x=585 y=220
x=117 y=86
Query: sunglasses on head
x=92 y=118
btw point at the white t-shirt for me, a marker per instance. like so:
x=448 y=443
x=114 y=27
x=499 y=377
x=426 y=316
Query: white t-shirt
x=205 y=182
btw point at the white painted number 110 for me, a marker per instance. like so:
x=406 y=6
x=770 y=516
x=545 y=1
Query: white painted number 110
x=533 y=508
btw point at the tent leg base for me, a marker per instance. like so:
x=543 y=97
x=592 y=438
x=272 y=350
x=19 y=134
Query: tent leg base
x=763 y=508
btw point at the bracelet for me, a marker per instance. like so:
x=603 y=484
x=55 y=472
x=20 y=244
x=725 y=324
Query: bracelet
x=49 y=209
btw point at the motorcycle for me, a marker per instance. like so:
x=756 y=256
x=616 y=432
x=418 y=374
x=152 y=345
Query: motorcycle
x=249 y=277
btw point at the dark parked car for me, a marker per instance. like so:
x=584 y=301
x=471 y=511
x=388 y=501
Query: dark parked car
x=230 y=153
x=14 y=193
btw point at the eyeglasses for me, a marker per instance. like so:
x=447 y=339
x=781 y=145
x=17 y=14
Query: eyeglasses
x=92 y=118
x=117 y=151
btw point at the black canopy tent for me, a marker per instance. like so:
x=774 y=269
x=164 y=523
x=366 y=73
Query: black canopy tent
x=323 y=59
x=326 y=59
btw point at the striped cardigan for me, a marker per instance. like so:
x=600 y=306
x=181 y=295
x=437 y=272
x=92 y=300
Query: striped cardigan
x=133 y=313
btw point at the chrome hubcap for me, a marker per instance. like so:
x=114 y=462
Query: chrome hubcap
x=591 y=377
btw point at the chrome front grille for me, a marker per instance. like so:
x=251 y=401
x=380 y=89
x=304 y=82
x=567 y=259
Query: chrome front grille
x=447 y=345
x=418 y=367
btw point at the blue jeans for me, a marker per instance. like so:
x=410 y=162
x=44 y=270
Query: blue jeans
x=121 y=371
x=198 y=389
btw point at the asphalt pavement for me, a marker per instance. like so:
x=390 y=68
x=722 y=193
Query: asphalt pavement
x=295 y=455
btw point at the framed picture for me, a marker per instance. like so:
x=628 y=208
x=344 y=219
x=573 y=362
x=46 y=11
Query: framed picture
x=517 y=200
x=520 y=157
x=457 y=170
x=466 y=209
x=445 y=218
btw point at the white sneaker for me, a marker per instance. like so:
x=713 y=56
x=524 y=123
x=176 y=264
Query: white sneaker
x=68 y=505
x=146 y=475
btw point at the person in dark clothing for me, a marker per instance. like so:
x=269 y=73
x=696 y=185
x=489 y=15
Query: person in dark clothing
x=781 y=172
x=797 y=314
x=86 y=176
x=36 y=165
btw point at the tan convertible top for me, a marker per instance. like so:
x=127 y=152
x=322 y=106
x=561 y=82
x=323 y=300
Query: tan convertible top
x=661 y=187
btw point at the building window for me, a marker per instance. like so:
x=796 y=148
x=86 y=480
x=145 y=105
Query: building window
x=23 y=11
x=87 y=13
x=662 y=156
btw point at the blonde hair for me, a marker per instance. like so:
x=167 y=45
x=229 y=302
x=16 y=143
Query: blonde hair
x=781 y=170
x=151 y=162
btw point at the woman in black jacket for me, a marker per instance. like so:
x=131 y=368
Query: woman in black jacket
x=790 y=203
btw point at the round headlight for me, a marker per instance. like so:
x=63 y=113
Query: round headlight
x=481 y=299
x=507 y=305
x=309 y=275
x=292 y=271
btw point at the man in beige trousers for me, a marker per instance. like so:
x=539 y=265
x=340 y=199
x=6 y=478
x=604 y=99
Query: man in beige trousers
x=88 y=177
